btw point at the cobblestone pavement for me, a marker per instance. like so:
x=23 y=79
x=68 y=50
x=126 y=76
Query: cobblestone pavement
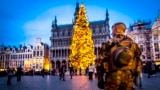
x=50 y=82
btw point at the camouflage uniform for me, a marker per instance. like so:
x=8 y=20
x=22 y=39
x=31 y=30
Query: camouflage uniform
x=117 y=78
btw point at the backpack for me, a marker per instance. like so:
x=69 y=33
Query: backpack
x=122 y=53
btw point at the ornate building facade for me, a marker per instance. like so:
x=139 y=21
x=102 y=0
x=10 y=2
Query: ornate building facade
x=61 y=38
x=28 y=57
x=147 y=35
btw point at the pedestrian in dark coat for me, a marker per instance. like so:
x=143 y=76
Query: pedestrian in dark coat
x=62 y=72
x=71 y=71
x=10 y=74
x=42 y=72
x=19 y=73
x=149 y=68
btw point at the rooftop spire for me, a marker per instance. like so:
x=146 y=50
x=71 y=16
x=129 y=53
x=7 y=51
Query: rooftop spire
x=55 y=20
x=107 y=15
x=54 y=23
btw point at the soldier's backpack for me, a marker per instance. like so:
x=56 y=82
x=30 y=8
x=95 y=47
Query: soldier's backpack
x=122 y=53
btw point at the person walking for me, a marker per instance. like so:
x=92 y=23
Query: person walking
x=149 y=68
x=91 y=71
x=62 y=72
x=42 y=72
x=19 y=72
x=86 y=71
x=10 y=74
x=71 y=71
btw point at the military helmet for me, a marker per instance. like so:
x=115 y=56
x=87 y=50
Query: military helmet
x=118 y=28
x=122 y=56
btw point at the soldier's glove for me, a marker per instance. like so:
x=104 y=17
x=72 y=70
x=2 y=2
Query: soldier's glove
x=101 y=84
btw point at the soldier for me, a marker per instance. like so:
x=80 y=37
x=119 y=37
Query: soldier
x=118 y=60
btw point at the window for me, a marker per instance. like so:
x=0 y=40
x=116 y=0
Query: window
x=149 y=57
x=41 y=53
x=37 y=53
x=55 y=34
x=143 y=56
x=97 y=30
x=60 y=34
x=69 y=33
x=147 y=37
x=34 y=53
x=66 y=33
x=103 y=30
x=148 y=47
x=157 y=56
x=30 y=55
x=37 y=47
x=141 y=48
x=155 y=37
x=141 y=36
x=156 y=47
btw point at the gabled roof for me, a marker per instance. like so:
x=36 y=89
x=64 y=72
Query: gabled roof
x=156 y=24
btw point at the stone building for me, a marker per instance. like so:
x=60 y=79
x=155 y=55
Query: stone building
x=147 y=35
x=28 y=57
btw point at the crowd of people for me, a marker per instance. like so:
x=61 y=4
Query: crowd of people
x=90 y=71
x=12 y=72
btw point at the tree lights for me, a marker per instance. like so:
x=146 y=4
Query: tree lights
x=82 y=46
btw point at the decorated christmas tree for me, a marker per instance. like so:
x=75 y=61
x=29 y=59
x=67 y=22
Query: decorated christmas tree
x=82 y=46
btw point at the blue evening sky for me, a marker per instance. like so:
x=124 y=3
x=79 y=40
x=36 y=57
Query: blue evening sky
x=22 y=21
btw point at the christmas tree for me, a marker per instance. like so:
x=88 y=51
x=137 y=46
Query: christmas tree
x=82 y=46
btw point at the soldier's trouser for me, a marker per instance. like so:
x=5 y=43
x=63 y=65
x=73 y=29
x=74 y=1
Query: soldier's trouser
x=119 y=80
